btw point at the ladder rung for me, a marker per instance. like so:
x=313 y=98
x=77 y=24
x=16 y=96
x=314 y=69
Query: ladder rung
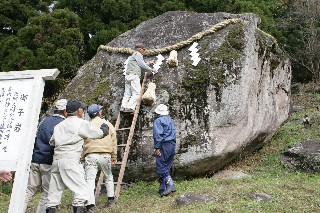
x=122 y=145
x=123 y=129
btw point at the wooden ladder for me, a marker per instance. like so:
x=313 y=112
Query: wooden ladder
x=123 y=163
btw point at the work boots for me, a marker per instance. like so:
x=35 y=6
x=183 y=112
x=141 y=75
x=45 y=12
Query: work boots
x=78 y=209
x=170 y=187
x=111 y=201
x=90 y=209
x=51 y=210
x=162 y=186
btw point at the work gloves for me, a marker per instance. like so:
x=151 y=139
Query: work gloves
x=105 y=129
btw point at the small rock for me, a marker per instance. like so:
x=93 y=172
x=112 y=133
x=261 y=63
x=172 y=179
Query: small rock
x=295 y=88
x=229 y=174
x=188 y=199
x=260 y=197
x=297 y=108
x=304 y=157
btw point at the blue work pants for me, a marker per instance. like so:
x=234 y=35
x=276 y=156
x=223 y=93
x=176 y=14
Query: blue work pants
x=165 y=161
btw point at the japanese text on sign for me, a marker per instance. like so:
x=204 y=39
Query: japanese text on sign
x=14 y=102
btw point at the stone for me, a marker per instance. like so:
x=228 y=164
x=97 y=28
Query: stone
x=303 y=157
x=297 y=108
x=228 y=105
x=188 y=199
x=229 y=174
x=260 y=197
x=295 y=88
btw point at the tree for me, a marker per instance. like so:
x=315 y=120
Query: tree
x=14 y=56
x=303 y=36
x=55 y=40
x=14 y=14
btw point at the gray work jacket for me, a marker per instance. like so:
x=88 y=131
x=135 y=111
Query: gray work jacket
x=135 y=64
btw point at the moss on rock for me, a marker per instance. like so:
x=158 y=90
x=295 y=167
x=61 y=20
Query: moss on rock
x=102 y=89
x=221 y=60
x=269 y=50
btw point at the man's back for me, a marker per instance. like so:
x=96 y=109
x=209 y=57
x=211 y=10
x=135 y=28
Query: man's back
x=133 y=67
x=69 y=135
x=66 y=136
x=43 y=152
x=164 y=129
x=107 y=144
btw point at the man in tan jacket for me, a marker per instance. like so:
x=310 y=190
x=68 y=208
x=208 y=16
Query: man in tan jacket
x=100 y=154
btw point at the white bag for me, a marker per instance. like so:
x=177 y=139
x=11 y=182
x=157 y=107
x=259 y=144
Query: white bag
x=172 y=61
x=149 y=97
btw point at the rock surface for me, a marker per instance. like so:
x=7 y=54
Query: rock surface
x=189 y=199
x=260 y=197
x=228 y=105
x=229 y=174
x=303 y=157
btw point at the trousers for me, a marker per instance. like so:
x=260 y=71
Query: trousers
x=93 y=162
x=39 y=178
x=67 y=173
x=165 y=161
x=132 y=90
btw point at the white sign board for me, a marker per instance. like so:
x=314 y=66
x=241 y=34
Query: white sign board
x=15 y=101
x=20 y=102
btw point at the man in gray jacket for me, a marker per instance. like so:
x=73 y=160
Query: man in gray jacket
x=132 y=78
x=67 y=171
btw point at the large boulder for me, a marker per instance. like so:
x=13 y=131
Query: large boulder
x=229 y=105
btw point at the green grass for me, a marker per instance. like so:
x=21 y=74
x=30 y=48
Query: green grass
x=290 y=191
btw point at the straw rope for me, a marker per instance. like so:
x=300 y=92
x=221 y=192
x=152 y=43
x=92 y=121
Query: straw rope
x=178 y=45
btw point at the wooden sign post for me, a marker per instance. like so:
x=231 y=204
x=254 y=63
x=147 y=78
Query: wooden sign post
x=20 y=102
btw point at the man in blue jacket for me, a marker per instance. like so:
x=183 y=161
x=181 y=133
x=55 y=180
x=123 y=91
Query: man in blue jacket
x=164 y=136
x=42 y=157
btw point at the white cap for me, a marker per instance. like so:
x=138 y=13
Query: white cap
x=61 y=104
x=162 y=109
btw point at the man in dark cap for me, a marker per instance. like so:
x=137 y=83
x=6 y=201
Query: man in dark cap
x=67 y=171
x=132 y=78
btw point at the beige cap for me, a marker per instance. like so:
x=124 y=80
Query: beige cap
x=61 y=104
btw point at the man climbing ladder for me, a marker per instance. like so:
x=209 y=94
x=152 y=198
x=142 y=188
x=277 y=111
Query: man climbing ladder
x=132 y=78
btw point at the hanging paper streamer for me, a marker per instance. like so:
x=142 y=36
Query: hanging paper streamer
x=194 y=55
x=160 y=58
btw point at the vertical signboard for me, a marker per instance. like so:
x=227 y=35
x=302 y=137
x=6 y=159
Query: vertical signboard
x=20 y=102
x=15 y=99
